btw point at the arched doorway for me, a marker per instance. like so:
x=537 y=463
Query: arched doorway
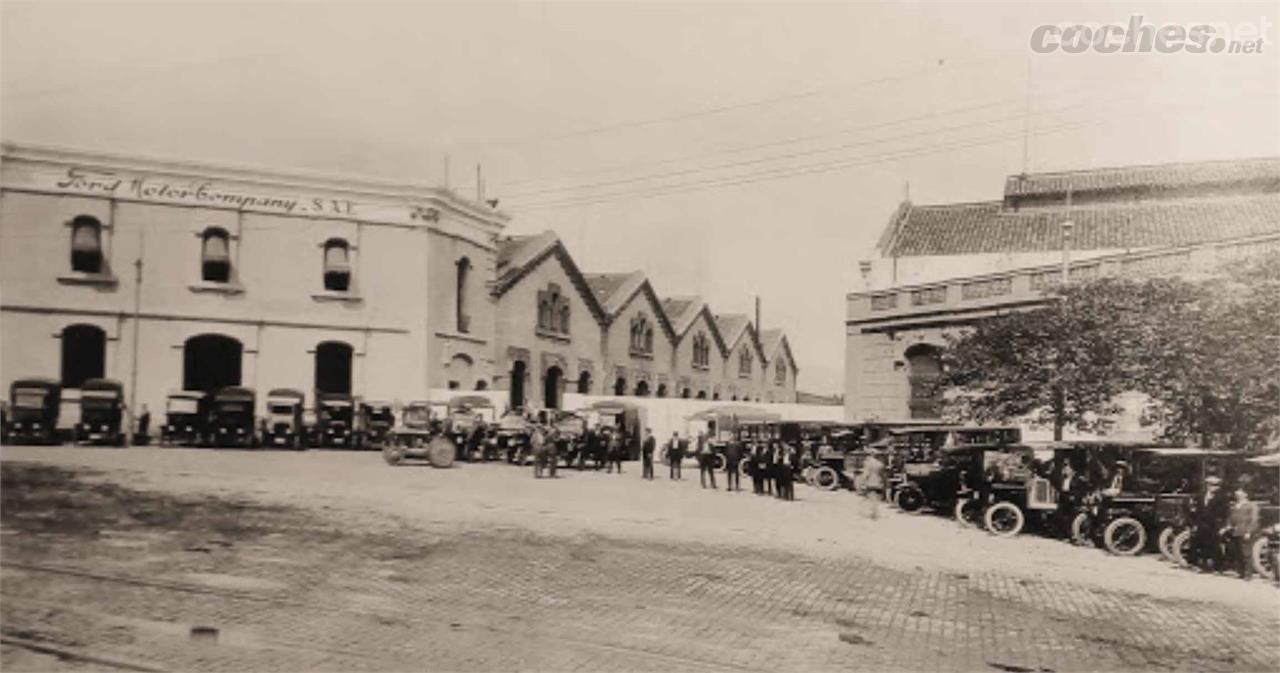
x=518 y=370
x=482 y=385
x=211 y=361
x=642 y=389
x=460 y=371
x=620 y=386
x=924 y=378
x=584 y=383
x=686 y=393
x=333 y=367
x=662 y=390
x=702 y=394
x=551 y=386
x=84 y=354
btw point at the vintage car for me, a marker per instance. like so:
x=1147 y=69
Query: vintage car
x=231 y=418
x=727 y=423
x=511 y=435
x=33 y=411
x=186 y=418
x=466 y=413
x=374 y=424
x=572 y=428
x=625 y=417
x=913 y=451
x=1264 y=483
x=841 y=453
x=1129 y=515
x=101 y=413
x=1004 y=487
x=335 y=421
x=283 y=424
x=420 y=435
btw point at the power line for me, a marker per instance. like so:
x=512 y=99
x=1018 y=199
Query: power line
x=719 y=109
x=804 y=153
x=771 y=174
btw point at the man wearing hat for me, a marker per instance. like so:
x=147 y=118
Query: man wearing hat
x=1210 y=514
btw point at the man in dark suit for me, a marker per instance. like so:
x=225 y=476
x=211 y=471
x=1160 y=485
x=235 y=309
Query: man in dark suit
x=675 y=455
x=646 y=453
x=732 y=460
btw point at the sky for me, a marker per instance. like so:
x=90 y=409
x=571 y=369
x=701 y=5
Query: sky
x=729 y=150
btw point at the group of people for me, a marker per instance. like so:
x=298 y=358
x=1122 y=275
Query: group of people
x=1224 y=525
x=771 y=465
x=548 y=445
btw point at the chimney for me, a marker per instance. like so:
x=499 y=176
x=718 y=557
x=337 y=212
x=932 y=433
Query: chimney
x=757 y=314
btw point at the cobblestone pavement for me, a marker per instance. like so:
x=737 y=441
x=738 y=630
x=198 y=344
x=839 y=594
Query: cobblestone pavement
x=118 y=578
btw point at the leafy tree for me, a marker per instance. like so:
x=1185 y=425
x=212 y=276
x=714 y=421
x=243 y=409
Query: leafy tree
x=1206 y=352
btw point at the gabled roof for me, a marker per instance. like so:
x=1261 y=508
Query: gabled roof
x=615 y=291
x=1130 y=207
x=518 y=256
x=683 y=313
x=733 y=326
x=773 y=339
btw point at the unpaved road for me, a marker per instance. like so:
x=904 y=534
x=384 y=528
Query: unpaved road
x=335 y=561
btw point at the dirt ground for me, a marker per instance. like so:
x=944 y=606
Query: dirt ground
x=164 y=559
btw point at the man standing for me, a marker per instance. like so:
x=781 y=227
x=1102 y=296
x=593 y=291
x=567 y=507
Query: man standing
x=1243 y=525
x=757 y=468
x=1212 y=511
x=615 y=451
x=646 y=453
x=538 y=446
x=675 y=455
x=732 y=460
x=706 y=461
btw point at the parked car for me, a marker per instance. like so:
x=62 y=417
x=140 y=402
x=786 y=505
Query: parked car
x=284 y=419
x=186 y=417
x=101 y=413
x=465 y=413
x=374 y=424
x=335 y=421
x=33 y=411
x=624 y=417
x=420 y=434
x=231 y=418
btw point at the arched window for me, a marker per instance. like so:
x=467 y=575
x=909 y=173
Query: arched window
x=215 y=255
x=701 y=351
x=86 y=244
x=460 y=299
x=553 y=311
x=744 y=363
x=84 y=354
x=337 y=265
x=641 y=335
x=584 y=383
x=333 y=367
x=780 y=372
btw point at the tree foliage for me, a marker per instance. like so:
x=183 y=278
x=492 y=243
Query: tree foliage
x=1205 y=352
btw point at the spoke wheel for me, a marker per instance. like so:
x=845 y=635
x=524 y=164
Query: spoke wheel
x=1180 y=546
x=1125 y=536
x=1262 y=553
x=968 y=512
x=826 y=478
x=910 y=499
x=1165 y=542
x=1082 y=529
x=1004 y=519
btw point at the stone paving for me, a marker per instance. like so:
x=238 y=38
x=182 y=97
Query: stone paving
x=300 y=589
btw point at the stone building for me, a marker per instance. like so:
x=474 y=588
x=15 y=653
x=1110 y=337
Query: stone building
x=941 y=267
x=170 y=275
x=611 y=334
x=176 y=275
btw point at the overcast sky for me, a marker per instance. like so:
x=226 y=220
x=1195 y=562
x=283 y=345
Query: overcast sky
x=729 y=150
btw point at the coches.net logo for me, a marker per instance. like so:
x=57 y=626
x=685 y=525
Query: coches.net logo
x=1143 y=38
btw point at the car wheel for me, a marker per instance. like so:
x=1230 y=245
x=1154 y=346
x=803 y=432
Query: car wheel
x=1263 y=556
x=1082 y=529
x=1165 y=542
x=968 y=512
x=720 y=462
x=1180 y=546
x=910 y=500
x=826 y=478
x=1124 y=536
x=393 y=455
x=1004 y=519
x=744 y=466
x=441 y=452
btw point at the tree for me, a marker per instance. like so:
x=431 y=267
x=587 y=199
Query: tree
x=1060 y=363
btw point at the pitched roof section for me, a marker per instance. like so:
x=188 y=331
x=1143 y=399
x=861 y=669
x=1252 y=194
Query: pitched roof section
x=683 y=313
x=732 y=326
x=520 y=255
x=614 y=290
x=1261 y=174
x=771 y=340
x=1113 y=208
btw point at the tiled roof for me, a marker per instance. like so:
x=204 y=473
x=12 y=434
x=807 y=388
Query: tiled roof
x=991 y=227
x=613 y=290
x=516 y=251
x=519 y=255
x=681 y=311
x=731 y=326
x=770 y=340
x=1160 y=177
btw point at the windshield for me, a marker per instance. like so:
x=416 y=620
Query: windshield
x=281 y=409
x=233 y=407
x=98 y=402
x=416 y=416
x=182 y=406
x=28 y=399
